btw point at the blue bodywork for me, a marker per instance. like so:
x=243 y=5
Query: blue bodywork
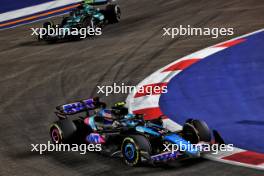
x=179 y=141
x=143 y=129
x=147 y=128
x=131 y=136
x=76 y=107
x=166 y=156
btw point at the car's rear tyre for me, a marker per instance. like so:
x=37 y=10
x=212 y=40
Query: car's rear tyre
x=196 y=131
x=47 y=24
x=64 y=21
x=132 y=147
x=63 y=131
x=113 y=13
x=46 y=37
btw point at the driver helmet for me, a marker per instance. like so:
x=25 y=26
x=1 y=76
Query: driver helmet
x=120 y=109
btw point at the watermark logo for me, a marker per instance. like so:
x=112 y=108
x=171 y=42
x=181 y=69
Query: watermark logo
x=62 y=31
x=50 y=147
x=147 y=90
x=201 y=147
x=196 y=31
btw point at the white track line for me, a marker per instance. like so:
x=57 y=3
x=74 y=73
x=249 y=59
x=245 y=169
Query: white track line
x=35 y=9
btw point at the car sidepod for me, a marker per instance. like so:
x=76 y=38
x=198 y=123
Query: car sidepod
x=180 y=144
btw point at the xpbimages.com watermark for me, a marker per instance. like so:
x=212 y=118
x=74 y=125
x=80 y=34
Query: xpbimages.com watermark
x=201 y=147
x=127 y=89
x=58 y=31
x=188 y=30
x=50 y=147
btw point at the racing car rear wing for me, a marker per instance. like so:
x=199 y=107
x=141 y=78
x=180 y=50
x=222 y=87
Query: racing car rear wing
x=74 y=108
x=97 y=2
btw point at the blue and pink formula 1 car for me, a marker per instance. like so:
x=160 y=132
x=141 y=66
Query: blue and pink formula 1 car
x=126 y=135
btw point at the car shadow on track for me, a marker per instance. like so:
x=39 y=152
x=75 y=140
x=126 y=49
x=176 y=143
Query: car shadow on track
x=43 y=43
x=97 y=164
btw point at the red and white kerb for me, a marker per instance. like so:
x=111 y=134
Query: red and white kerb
x=143 y=103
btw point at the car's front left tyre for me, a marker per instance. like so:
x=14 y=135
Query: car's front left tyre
x=132 y=148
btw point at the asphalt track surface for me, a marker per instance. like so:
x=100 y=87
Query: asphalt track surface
x=35 y=77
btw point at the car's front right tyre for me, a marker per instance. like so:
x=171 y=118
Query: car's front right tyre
x=113 y=13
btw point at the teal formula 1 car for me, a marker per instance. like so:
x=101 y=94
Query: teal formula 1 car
x=83 y=21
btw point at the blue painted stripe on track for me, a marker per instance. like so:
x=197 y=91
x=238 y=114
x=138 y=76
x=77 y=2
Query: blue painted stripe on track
x=10 y=5
x=227 y=91
x=39 y=18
